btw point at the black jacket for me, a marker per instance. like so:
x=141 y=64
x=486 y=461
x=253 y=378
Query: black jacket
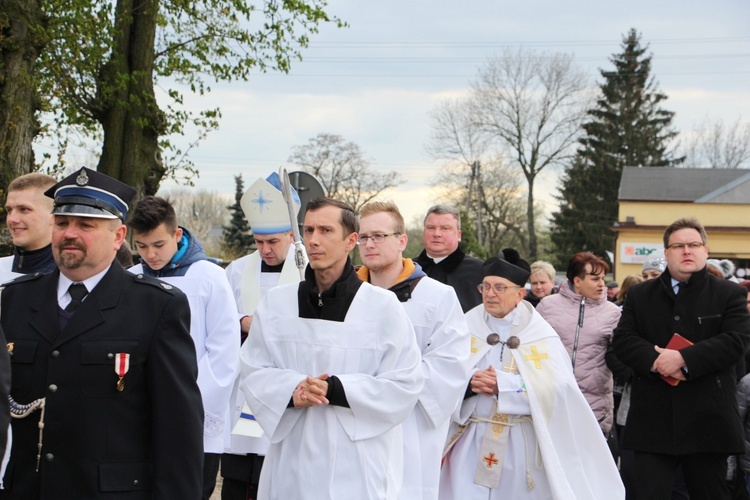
x=699 y=415
x=459 y=271
x=145 y=441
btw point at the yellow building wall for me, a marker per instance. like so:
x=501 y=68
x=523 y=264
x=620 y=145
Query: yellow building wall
x=732 y=243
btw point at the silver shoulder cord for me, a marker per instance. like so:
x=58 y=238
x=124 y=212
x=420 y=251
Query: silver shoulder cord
x=23 y=411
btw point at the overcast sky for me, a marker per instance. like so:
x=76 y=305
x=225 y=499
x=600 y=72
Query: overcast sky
x=375 y=82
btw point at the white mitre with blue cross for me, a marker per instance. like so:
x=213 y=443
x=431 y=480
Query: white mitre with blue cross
x=265 y=208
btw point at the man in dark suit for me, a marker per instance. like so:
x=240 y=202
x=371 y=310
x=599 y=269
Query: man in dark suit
x=111 y=354
x=443 y=259
x=696 y=423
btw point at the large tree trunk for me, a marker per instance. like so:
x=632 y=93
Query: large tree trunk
x=20 y=44
x=128 y=112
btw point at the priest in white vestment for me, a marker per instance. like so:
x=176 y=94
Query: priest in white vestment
x=524 y=430
x=250 y=277
x=442 y=336
x=331 y=369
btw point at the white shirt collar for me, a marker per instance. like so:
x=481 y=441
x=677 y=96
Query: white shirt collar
x=437 y=259
x=63 y=283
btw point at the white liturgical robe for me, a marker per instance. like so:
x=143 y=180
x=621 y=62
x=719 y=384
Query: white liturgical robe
x=443 y=338
x=329 y=451
x=560 y=454
x=249 y=285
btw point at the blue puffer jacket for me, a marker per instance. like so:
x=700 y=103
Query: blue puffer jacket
x=189 y=250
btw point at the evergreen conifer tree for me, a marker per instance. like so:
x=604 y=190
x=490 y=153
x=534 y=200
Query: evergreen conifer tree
x=237 y=237
x=469 y=242
x=626 y=127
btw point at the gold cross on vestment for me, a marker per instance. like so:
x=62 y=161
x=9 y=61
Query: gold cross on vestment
x=536 y=358
x=497 y=429
x=474 y=348
x=490 y=459
x=512 y=367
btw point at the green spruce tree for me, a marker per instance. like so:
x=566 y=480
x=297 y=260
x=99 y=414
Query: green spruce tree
x=469 y=242
x=237 y=237
x=626 y=127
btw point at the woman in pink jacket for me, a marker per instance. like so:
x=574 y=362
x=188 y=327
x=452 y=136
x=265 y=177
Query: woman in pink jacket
x=585 y=321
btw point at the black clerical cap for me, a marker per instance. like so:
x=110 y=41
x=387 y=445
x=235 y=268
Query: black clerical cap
x=508 y=265
x=88 y=193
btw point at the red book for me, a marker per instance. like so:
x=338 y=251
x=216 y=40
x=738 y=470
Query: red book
x=676 y=343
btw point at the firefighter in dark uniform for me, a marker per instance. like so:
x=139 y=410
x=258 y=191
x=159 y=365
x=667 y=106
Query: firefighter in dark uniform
x=106 y=359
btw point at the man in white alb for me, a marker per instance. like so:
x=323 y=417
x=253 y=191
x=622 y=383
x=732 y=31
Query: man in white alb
x=331 y=368
x=442 y=336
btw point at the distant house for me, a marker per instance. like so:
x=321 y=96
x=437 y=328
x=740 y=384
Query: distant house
x=651 y=198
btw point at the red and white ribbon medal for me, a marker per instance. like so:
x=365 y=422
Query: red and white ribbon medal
x=122 y=365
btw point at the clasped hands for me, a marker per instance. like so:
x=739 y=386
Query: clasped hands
x=484 y=382
x=311 y=392
x=669 y=363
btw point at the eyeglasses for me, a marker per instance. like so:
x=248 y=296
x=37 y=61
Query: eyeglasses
x=376 y=238
x=499 y=289
x=693 y=245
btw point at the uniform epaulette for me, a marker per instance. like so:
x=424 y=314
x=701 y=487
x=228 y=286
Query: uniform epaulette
x=150 y=280
x=22 y=278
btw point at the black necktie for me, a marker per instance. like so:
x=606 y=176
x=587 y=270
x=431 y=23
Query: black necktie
x=77 y=292
x=680 y=287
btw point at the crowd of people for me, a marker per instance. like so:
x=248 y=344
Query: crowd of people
x=293 y=373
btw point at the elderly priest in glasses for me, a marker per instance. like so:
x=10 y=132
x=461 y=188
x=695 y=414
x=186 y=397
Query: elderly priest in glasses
x=524 y=430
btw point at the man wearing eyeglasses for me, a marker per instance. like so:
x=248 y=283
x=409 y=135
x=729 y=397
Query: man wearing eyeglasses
x=692 y=421
x=524 y=429
x=441 y=333
x=331 y=368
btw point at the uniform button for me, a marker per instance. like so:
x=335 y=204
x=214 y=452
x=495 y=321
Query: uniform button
x=135 y=482
x=677 y=318
x=52 y=388
x=55 y=353
x=110 y=355
x=49 y=457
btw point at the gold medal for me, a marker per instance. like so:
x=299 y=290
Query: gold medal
x=122 y=365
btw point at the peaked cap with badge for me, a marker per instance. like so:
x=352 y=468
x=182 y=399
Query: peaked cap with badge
x=265 y=208
x=88 y=193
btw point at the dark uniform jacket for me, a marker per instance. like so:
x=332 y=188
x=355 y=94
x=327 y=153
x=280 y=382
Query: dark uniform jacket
x=459 y=271
x=699 y=415
x=145 y=441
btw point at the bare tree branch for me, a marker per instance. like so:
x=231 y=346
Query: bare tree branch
x=199 y=211
x=529 y=107
x=716 y=145
x=342 y=169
